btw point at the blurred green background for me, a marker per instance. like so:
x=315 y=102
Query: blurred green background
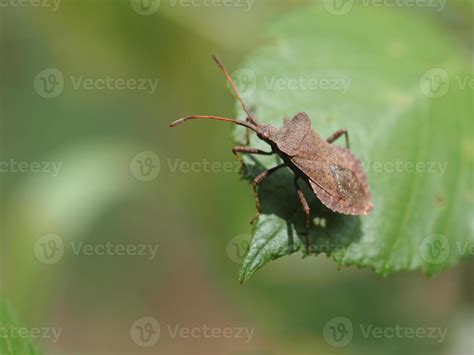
x=197 y=219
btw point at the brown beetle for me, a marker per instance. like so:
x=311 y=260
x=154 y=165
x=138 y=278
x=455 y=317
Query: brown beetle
x=334 y=174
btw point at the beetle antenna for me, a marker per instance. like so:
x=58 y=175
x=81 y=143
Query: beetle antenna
x=234 y=89
x=216 y=118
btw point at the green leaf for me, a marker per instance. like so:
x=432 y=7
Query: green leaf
x=400 y=85
x=12 y=338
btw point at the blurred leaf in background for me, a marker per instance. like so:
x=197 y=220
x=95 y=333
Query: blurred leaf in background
x=14 y=338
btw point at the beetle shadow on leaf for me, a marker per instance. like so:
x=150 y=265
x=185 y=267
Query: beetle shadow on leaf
x=331 y=232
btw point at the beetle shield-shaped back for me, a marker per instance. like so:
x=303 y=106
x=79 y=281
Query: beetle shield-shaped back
x=333 y=172
x=289 y=138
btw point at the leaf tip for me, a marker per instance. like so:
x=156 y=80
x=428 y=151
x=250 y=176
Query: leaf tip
x=243 y=277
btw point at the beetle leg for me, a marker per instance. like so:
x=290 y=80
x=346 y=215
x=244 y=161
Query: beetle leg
x=247 y=150
x=307 y=212
x=339 y=133
x=247 y=132
x=247 y=135
x=258 y=180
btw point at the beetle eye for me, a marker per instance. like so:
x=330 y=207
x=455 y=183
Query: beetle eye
x=266 y=132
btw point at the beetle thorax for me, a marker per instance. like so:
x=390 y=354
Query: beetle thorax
x=266 y=132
